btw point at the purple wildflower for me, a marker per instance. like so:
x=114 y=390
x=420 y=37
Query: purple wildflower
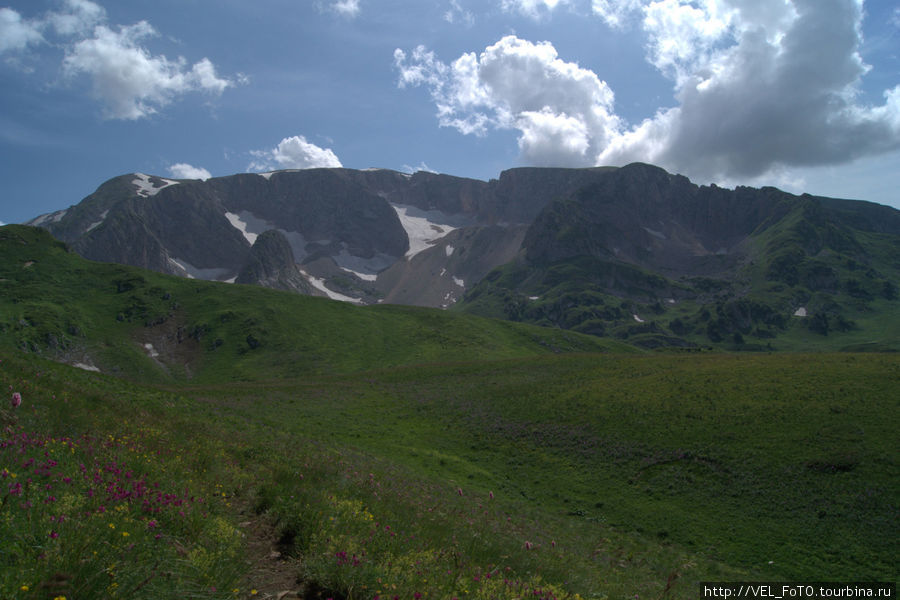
x=16 y=400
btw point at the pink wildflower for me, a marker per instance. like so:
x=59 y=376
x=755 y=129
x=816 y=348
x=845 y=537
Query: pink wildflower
x=16 y=400
x=491 y=494
x=459 y=491
x=528 y=545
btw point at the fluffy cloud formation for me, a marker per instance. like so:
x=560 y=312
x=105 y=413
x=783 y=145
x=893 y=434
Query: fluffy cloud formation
x=126 y=78
x=75 y=18
x=293 y=153
x=131 y=82
x=531 y=8
x=457 y=14
x=186 y=171
x=760 y=85
x=349 y=8
x=17 y=34
x=563 y=112
x=421 y=167
x=78 y=18
x=615 y=12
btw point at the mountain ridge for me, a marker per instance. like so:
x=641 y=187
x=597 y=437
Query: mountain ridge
x=636 y=235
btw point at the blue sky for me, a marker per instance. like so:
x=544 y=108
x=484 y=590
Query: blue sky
x=800 y=94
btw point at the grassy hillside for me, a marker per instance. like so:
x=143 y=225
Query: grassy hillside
x=591 y=476
x=153 y=327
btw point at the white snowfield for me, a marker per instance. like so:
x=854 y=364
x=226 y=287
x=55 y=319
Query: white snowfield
x=145 y=189
x=319 y=284
x=366 y=269
x=424 y=228
x=363 y=276
x=98 y=223
x=252 y=226
x=192 y=272
x=242 y=225
x=54 y=217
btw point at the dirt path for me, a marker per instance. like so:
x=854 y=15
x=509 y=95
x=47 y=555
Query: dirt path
x=273 y=576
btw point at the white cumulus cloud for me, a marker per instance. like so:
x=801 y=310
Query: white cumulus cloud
x=457 y=14
x=78 y=18
x=126 y=78
x=760 y=86
x=616 y=13
x=74 y=18
x=348 y=8
x=562 y=111
x=130 y=81
x=531 y=8
x=421 y=167
x=186 y=171
x=293 y=153
x=17 y=34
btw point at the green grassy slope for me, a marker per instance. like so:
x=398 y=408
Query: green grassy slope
x=396 y=451
x=103 y=315
x=585 y=476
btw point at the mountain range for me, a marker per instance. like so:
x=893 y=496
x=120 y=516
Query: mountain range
x=634 y=252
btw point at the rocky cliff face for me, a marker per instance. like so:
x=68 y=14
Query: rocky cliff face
x=644 y=216
x=271 y=263
x=366 y=236
x=648 y=256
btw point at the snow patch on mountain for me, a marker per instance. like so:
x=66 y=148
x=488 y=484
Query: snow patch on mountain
x=656 y=234
x=192 y=272
x=251 y=226
x=241 y=223
x=449 y=249
x=425 y=227
x=319 y=284
x=366 y=269
x=145 y=188
x=459 y=282
x=363 y=276
x=98 y=223
x=54 y=217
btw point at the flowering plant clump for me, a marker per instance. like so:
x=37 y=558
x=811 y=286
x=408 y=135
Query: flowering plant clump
x=8 y=415
x=85 y=518
x=391 y=537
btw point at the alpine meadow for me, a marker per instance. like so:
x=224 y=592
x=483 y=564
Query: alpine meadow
x=449 y=299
